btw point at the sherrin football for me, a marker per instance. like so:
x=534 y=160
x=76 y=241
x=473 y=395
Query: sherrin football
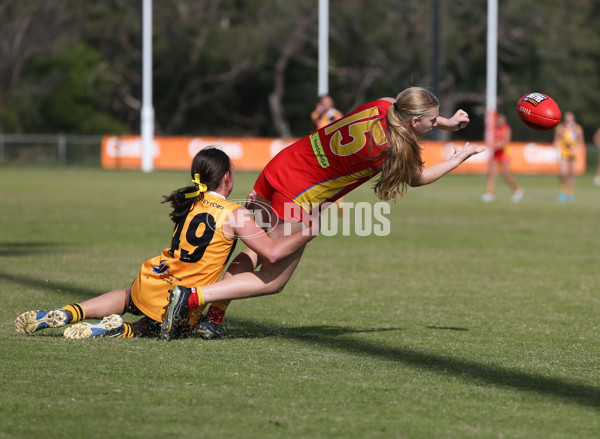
x=538 y=111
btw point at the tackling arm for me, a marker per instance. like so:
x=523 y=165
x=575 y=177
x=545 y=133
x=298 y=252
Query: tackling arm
x=255 y=238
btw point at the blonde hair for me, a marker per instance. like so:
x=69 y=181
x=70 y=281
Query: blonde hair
x=402 y=155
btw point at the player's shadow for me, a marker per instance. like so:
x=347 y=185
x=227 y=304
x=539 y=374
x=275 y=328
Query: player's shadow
x=447 y=328
x=21 y=249
x=77 y=292
x=249 y=329
x=16 y=249
x=341 y=338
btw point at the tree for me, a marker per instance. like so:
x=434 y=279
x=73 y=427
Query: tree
x=249 y=67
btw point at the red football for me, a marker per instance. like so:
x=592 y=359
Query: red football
x=538 y=111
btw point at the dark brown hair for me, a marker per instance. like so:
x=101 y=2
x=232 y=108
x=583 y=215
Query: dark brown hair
x=211 y=164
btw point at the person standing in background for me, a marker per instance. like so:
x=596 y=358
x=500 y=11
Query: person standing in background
x=568 y=137
x=597 y=143
x=325 y=112
x=499 y=157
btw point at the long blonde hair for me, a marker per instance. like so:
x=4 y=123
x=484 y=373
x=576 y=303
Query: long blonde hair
x=402 y=155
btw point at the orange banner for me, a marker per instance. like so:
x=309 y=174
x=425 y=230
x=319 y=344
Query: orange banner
x=252 y=154
x=525 y=158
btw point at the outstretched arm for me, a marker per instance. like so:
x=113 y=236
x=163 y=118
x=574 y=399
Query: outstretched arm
x=429 y=175
x=243 y=225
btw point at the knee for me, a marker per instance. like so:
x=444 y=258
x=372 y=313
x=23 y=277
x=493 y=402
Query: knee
x=274 y=288
x=273 y=285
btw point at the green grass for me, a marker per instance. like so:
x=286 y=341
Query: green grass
x=469 y=320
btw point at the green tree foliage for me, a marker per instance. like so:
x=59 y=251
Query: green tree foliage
x=77 y=81
x=249 y=67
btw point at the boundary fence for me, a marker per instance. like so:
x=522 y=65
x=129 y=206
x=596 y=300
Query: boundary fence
x=62 y=149
x=65 y=149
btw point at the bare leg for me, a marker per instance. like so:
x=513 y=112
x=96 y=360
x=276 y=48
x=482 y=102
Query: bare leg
x=563 y=171
x=245 y=262
x=491 y=182
x=508 y=178
x=491 y=179
x=570 y=177
x=270 y=279
x=113 y=302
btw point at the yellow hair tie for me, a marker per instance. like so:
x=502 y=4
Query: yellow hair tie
x=201 y=187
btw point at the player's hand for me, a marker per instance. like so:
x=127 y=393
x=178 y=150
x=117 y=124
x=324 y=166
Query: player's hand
x=459 y=121
x=250 y=200
x=470 y=149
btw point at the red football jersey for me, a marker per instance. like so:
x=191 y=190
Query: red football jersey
x=333 y=160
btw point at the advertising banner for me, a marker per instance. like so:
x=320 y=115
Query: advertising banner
x=252 y=154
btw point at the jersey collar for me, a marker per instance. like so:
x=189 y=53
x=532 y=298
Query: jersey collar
x=217 y=194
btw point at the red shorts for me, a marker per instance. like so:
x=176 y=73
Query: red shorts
x=500 y=156
x=283 y=207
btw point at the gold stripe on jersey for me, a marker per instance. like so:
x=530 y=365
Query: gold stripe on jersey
x=317 y=194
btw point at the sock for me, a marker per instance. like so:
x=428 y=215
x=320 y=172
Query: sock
x=196 y=298
x=127 y=331
x=216 y=312
x=76 y=311
x=489 y=191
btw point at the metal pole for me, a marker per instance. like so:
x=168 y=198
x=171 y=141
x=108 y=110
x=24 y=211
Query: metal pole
x=147 y=115
x=62 y=149
x=323 y=47
x=435 y=61
x=492 y=71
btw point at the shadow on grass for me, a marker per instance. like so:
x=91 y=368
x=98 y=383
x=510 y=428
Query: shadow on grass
x=447 y=328
x=14 y=249
x=78 y=293
x=248 y=329
x=339 y=337
x=334 y=337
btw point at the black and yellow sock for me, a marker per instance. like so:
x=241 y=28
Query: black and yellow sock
x=127 y=331
x=76 y=311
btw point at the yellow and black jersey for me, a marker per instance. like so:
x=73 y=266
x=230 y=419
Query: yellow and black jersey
x=568 y=140
x=197 y=256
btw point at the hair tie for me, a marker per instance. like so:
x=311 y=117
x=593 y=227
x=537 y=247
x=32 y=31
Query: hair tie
x=201 y=187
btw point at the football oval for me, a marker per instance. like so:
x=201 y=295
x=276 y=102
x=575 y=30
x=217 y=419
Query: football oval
x=538 y=111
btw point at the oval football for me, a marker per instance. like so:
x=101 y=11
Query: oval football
x=538 y=111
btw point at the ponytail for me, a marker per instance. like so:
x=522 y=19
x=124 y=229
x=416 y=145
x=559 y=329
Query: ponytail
x=401 y=158
x=208 y=169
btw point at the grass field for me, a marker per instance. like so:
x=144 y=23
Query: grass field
x=469 y=320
